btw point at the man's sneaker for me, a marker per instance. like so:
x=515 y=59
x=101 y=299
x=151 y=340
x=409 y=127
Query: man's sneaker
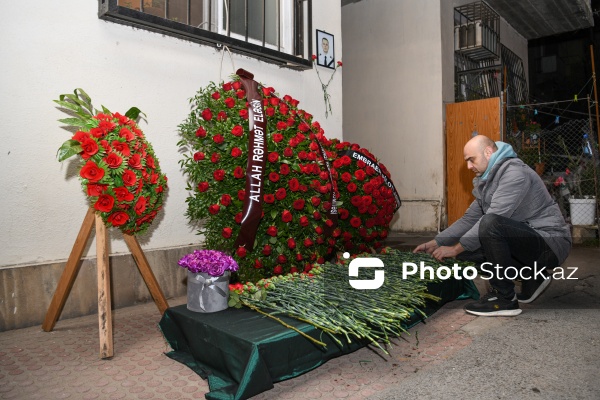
x=532 y=288
x=494 y=305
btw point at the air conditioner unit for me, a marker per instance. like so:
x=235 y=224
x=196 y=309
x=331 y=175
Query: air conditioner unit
x=468 y=36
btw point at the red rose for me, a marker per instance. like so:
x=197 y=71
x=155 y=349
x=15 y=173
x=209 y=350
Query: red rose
x=126 y=134
x=244 y=113
x=227 y=86
x=203 y=186
x=215 y=157
x=277 y=137
x=218 y=139
x=267 y=250
x=355 y=222
x=351 y=187
x=118 y=218
x=89 y=148
x=241 y=252
x=238 y=218
x=278 y=270
x=92 y=172
x=269 y=198
x=201 y=132
x=272 y=231
x=199 y=156
x=308 y=242
x=121 y=147
x=360 y=174
x=281 y=125
x=104 y=203
x=94 y=189
x=273 y=176
x=229 y=102
x=315 y=201
x=123 y=194
x=360 y=164
x=207 y=115
x=140 y=205
x=288 y=152
x=286 y=216
x=291 y=243
x=367 y=200
x=236 y=152
x=219 y=174
x=317 y=215
x=283 y=109
x=237 y=130
x=284 y=169
x=319 y=230
x=226 y=200
x=241 y=194
x=216 y=95
x=240 y=94
x=281 y=259
x=304 y=221
x=274 y=101
x=135 y=161
x=236 y=85
x=221 y=116
x=214 y=209
x=294 y=184
x=273 y=157
x=258 y=264
x=280 y=194
x=344 y=214
x=270 y=111
x=356 y=201
x=299 y=204
x=324 y=176
x=238 y=172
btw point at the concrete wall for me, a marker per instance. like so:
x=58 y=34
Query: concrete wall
x=50 y=48
x=399 y=74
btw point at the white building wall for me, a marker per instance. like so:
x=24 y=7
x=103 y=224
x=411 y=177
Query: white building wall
x=49 y=48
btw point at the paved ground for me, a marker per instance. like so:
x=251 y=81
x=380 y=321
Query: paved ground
x=550 y=351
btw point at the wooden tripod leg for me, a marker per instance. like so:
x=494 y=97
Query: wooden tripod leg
x=104 y=297
x=65 y=284
x=147 y=274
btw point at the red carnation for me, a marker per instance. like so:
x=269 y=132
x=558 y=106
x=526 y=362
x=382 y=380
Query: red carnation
x=219 y=174
x=238 y=172
x=286 y=216
x=355 y=222
x=299 y=204
x=280 y=194
x=203 y=186
x=218 y=139
x=207 y=115
x=226 y=200
x=237 y=130
x=304 y=221
x=201 y=132
x=291 y=243
x=267 y=250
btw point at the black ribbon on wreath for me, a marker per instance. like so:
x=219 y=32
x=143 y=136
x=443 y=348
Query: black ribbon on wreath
x=257 y=156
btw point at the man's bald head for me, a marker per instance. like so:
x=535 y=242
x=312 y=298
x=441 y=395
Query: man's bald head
x=477 y=153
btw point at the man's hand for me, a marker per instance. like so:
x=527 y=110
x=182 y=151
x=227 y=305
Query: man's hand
x=447 y=252
x=428 y=247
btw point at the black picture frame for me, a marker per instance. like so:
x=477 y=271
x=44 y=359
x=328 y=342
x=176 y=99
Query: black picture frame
x=325 y=42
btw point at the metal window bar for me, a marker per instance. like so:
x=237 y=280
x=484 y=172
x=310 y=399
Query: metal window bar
x=264 y=22
x=515 y=76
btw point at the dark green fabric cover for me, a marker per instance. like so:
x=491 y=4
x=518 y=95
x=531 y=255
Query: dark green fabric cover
x=242 y=353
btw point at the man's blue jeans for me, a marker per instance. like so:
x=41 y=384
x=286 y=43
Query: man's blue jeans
x=509 y=243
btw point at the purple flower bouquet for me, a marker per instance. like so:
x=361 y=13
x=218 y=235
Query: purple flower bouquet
x=212 y=262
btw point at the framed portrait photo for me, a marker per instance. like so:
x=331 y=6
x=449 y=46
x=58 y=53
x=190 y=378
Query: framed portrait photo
x=325 y=50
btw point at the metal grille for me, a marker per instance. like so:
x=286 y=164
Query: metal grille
x=565 y=155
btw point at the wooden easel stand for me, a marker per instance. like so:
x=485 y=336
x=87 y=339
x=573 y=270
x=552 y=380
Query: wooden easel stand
x=69 y=274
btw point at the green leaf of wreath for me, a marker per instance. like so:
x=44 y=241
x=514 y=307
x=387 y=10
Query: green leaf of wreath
x=80 y=122
x=69 y=148
x=134 y=112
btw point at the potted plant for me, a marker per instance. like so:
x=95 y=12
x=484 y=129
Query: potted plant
x=208 y=279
